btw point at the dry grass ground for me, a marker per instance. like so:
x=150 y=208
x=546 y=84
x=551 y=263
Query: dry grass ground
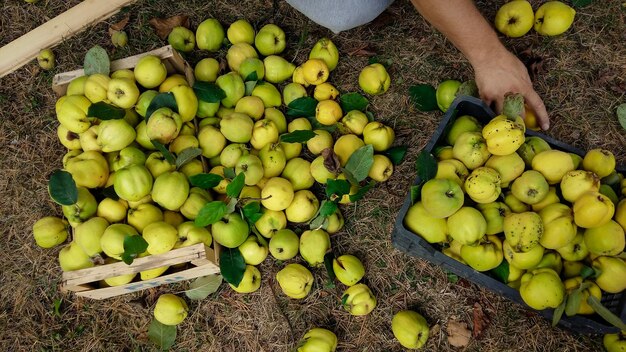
x=582 y=79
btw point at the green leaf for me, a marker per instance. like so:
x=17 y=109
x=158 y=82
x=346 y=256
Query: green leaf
x=328 y=263
x=587 y=272
x=353 y=101
x=203 y=286
x=97 y=61
x=605 y=313
x=379 y=60
x=166 y=153
x=468 y=88
x=299 y=136
x=360 y=162
x=344 y=300
x=232 y=265
x=210 y=213
x=573 y=303
x=501 y=272
x=396 y=154
x=104 y=111
x=423 y=97
x=452 y=277
x=337 y=188
x=236 y=185
x=318 y=221
x=361 y=192
x=208 y=92
x=62 y=188
x=349 y=176
x=328 y=208
x=229 y=173
x=57 y=306
x=187 y=155
x=231 y=206
x=416 y=192
x=370 y=116
x=581 y=3
x=164 y=336
x=426 y=166
x=302 y=107
x=205 y=181
x=621 y=115
x=558 y=313
x=161 y=100
x=133 y=246
x=252 y=212
x=252 y=77
x=249 y=87
x=109 y=192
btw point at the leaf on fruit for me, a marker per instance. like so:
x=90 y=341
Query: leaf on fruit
x=360 y=162
x=370 y=116
x=513 y=105
x=424 y=97
x=62 y=188
x=621 y=115
x=163 y=26
x=250 y=86
x=208 y=92
x=605 y=313
x=299 y=136
x=458 y=334
x=166 y=153
x=361 y=192
x=109 y=192
x=328 y=208
x=203 y=286
x=480 y=320
x=573 y=302
x=468 y=88
x=229 y=173
x=104 y=111
x=253 y=76
x=353 y=101
x=331 y=161
x=317 y=222
x=558 y=313
x=205 y=181
x=501 y=272
x=252 y=212
x=161 y=100
x=581 y=3
x=210 y=213
x=426 y=166
x=350 y=177
x=328 y=264
x=232 y=265
x=187 y=155
x=416 y=192
x=396 y=154
x=97 y=61
x=133 y=246
x=164 y=336
x=302 y=107
x=335 y=189
x=587 y=272
x=236 y=185
x=231 y=206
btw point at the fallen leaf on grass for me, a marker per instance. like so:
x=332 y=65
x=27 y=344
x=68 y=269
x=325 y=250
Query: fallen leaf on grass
x=163 y=26
x=116 y=27
x=363 y=50
x=480 y=319
x=458 y=334
x=534 y=63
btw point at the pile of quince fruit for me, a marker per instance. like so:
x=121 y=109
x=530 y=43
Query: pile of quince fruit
x=156 y=163
x=547 y=222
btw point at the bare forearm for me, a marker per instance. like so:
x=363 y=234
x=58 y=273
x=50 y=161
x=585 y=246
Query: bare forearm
x=463 y=25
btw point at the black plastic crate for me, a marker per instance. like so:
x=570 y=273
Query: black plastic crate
x=411 y=243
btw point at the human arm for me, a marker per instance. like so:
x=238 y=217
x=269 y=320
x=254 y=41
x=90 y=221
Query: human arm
x=497 y=70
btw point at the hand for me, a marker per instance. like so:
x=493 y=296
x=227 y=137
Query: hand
x=504 y=73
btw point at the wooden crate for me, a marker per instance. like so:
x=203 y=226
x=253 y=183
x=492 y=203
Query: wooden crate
x=171 y=58
x=85 y=282
x=200 y=259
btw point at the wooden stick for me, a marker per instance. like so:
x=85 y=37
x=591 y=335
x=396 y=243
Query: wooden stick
x=25 y=48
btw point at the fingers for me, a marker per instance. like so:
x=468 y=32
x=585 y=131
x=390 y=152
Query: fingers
x=535 y=102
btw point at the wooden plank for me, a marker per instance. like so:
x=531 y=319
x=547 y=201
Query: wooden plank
x=25 y=48
x=100 y=272
x=188 y=274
